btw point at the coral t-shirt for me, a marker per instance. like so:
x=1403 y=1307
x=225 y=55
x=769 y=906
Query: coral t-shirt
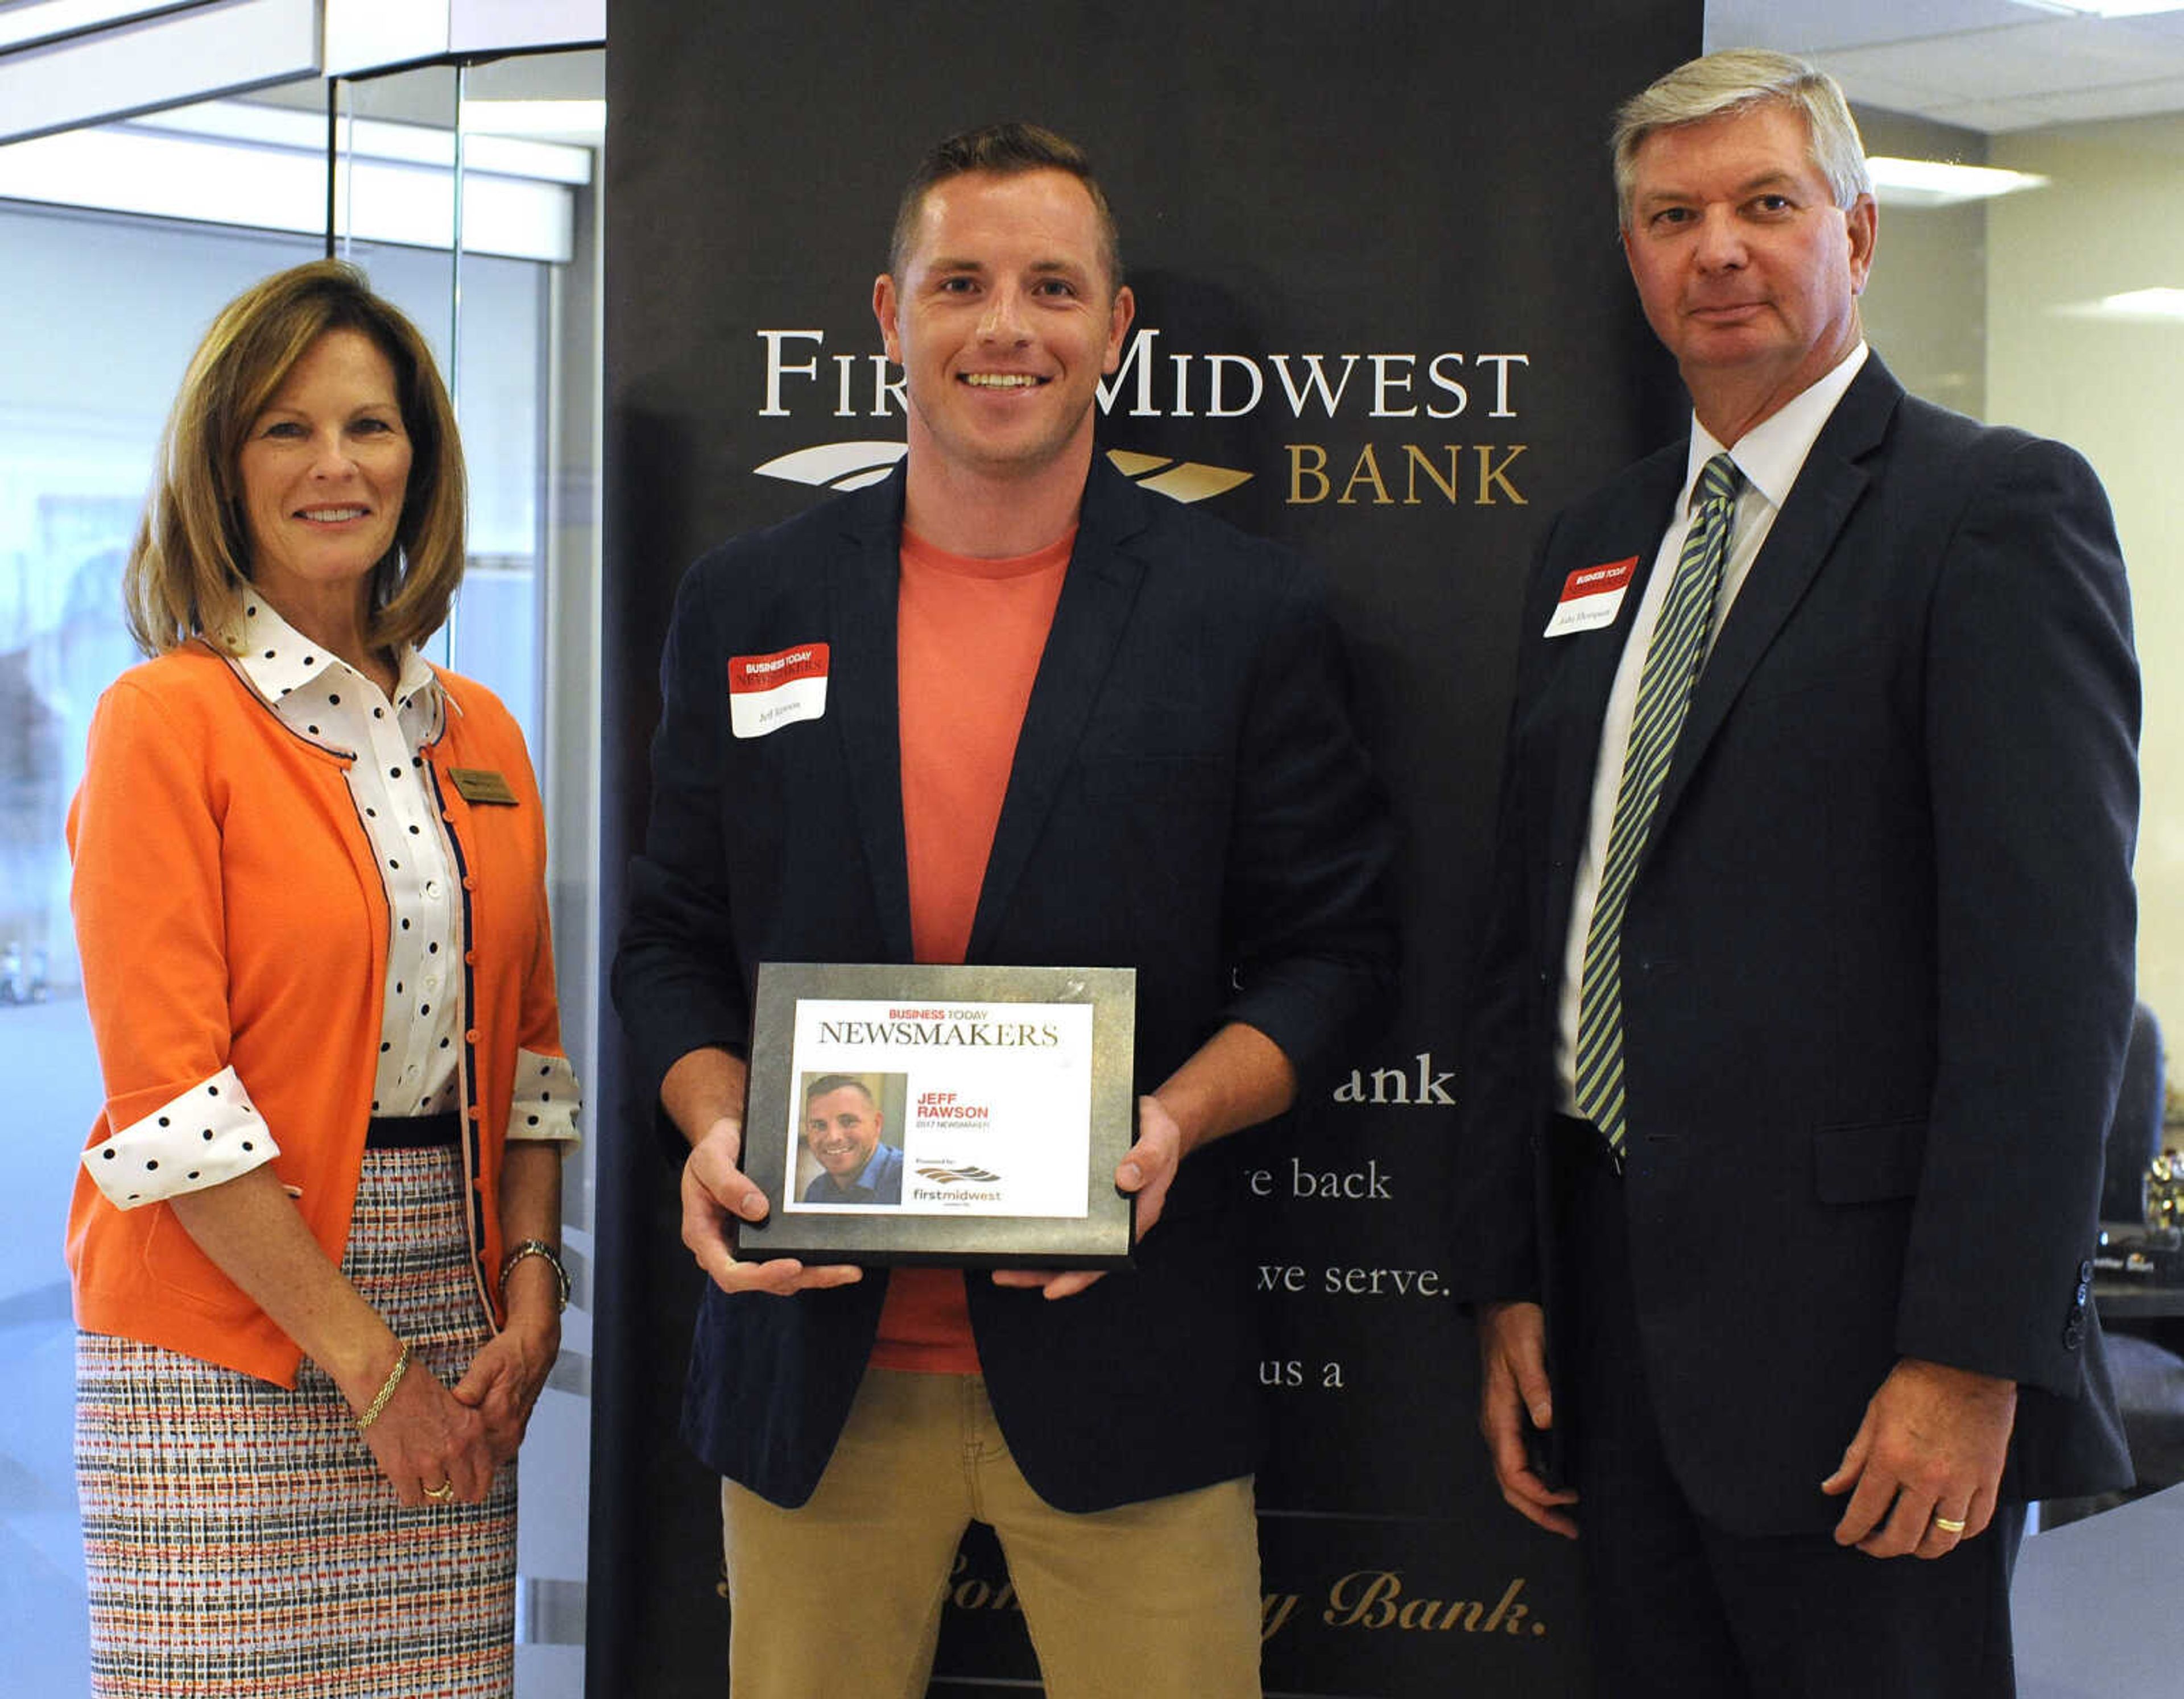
x=968 y=638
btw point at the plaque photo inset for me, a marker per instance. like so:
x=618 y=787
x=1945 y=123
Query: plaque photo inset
x=938 y=1114
x=851 y=1128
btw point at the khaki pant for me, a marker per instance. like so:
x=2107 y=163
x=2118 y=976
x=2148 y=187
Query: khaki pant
x=841 y=1599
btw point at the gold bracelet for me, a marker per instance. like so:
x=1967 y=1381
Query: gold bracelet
x=537 y=1247
x=386 y=1389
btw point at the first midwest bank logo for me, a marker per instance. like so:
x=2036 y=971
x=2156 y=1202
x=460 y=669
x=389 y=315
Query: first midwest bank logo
x=1419 y=456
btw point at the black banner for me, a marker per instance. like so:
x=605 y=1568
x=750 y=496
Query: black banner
x=1381 y=314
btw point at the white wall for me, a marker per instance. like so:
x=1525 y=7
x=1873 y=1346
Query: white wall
x=2112 y=220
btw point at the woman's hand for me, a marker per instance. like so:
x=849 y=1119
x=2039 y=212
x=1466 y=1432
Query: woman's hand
x=506 y=1378
x=425 y=1437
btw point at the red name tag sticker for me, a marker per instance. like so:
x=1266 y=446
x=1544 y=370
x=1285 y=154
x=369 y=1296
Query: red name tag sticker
x=1592 y=597
x=766 y=692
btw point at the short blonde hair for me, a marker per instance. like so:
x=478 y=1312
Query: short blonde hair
x=191 y=558
x=1736 y=81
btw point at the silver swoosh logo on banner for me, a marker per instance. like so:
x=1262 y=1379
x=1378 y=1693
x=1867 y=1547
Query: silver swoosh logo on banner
x=835 y=465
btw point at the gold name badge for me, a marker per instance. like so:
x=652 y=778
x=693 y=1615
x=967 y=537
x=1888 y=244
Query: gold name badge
x=483 y=785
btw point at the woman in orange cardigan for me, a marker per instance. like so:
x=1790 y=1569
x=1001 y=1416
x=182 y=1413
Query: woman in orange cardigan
x=314 y=1240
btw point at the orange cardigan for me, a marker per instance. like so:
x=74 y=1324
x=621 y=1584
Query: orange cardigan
x=229 y=912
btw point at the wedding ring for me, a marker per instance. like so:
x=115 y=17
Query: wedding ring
x=446 y=1490
x=1946 y=1525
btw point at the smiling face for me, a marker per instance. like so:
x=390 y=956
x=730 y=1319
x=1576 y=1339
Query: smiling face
x=1003 y=320
x=842 y=1126
x=325 y=466
x=1748 y=270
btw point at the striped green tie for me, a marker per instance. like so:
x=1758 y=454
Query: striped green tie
x=1673 y=660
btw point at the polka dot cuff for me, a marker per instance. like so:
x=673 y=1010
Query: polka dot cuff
x=546 y=1099
x=207 y=1134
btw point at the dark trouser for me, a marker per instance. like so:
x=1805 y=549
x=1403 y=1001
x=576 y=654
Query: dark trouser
x=1682 y=1609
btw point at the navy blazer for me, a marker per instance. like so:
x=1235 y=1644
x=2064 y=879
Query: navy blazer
x=1878 y=955
x=1188 y=798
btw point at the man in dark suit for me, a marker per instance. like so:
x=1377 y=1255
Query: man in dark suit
x=1007 y=708
x=1808 y=968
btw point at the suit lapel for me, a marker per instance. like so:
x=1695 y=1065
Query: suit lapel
x=1097 y=594
x=1828 y=486
x=863 y=584
x=1586 y=665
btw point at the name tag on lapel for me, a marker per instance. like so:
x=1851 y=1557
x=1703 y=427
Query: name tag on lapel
x=1591 y=597
x=481 y=785
x=766 y=692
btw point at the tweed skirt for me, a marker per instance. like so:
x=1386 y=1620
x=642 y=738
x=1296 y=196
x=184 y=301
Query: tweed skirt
x=238 y=1537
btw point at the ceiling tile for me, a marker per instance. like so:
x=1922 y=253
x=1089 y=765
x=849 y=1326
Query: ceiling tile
x=1870 y=87
x=1995 y=117
x=1804 y=28
x=2029 y=59
x=1996 y=65
x=2128 y=100
x=2168 y=23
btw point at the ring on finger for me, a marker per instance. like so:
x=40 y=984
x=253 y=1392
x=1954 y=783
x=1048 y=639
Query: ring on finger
x=446 y=1490
x=1947 y=1524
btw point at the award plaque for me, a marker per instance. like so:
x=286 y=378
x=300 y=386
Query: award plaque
x=968 y=1115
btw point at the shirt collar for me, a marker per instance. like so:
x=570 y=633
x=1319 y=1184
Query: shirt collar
x=875 y=1169
x=1773 y=452
x=278 y=661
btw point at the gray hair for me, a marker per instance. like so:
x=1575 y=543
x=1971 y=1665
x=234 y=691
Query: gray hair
x=1736 y=82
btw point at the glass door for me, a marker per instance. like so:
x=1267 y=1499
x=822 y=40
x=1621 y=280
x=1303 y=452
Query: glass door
x=122 y=241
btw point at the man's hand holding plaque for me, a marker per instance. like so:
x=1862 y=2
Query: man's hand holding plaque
x=1145 y=1172
x=716 y=1193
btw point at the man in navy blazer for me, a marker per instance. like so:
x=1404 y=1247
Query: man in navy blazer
x=1184 y=795
x=1786 y=1094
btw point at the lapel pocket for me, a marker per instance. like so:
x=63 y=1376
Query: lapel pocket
x=1869 y=1163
